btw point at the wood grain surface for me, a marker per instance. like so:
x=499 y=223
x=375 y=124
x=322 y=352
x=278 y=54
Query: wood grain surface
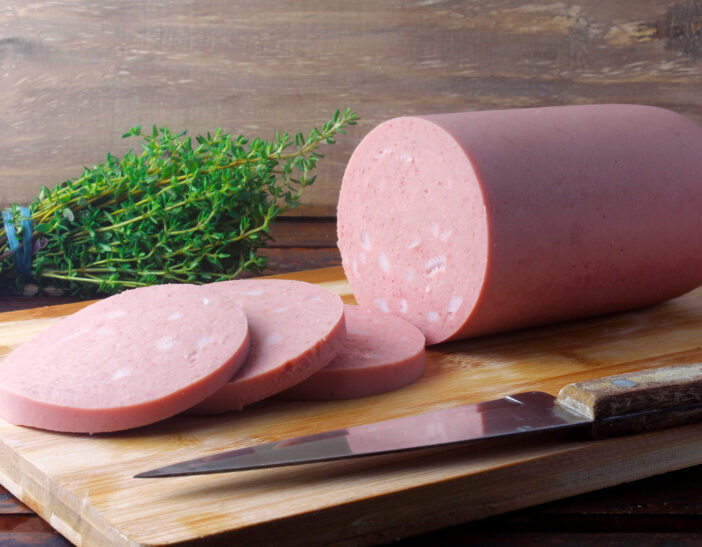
x=83 y=486
x=74 y=75
x=662 y=510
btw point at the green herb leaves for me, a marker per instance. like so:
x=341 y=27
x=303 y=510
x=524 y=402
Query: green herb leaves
x=181 y=210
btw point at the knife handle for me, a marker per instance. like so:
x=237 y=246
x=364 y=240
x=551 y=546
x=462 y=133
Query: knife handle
x=638 y=401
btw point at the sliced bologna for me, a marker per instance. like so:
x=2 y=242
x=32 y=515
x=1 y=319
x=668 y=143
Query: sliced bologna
x=296 y=329
x=381 y=353
x=126 y=361
x=472 y=223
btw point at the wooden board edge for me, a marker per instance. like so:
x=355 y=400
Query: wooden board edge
x=540 y=479
x=530 y=488
x=43 y=312
x=64 y=517
x=458 y=500
x=332 y=276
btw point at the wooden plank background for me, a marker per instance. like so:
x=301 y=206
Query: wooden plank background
x=75 y=74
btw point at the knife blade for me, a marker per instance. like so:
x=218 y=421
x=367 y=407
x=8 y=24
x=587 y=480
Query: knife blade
x=614 y=405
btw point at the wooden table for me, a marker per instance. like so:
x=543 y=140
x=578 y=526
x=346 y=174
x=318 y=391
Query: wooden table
x=662 y=510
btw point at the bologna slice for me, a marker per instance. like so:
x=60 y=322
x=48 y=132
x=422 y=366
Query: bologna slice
x=472 y=223
x=381 y=353
x=126 y=361
x=296 y=329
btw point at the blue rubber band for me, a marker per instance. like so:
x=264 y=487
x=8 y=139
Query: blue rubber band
x=22 y=255
x=11 y=233
x=27 y=230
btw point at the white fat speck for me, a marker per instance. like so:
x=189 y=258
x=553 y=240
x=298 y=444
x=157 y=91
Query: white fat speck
x=373 y=355
x=403 y=306
x=120 y=373
x=116 y=313
x=409 y=275
x=366 y=241
x=354 y=268
x=384 y=263
x=202 y=341
x=357 y=332
x=167 y=342
x=74 y=335
x=255 y=292
x=416 y=242
x=427 y=289
x=315 y=298
x=205 y=301
x=362 y=257
x=433 y=316
x=383 y=305
x=174 y=316
x=103 y=331
x=407 y=157
x=434 y=229
x=446 y=234
x=435 y=265
x=454 y=304
x=280 y=310
x=273 y=338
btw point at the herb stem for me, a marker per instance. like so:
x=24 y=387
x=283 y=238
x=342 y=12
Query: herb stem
x=182 y=209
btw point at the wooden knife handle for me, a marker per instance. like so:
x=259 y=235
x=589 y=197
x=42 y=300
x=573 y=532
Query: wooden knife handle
x=638 y=401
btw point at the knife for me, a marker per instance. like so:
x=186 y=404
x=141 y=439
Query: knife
x=615 y=405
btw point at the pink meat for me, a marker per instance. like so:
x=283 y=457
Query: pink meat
x=296 y=329
x=381 y=353
x=472 y=223
x=126 y=361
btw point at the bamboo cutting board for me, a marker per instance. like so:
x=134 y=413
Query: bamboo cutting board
x=83 y=486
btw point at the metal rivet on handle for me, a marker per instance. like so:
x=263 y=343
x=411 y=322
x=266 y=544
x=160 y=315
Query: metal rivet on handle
x=624 y=382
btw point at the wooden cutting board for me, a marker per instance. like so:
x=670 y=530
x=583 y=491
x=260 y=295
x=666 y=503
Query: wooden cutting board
x=83 y=486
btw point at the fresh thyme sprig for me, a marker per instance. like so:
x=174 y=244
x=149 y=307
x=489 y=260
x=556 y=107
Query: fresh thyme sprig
x=178 y=212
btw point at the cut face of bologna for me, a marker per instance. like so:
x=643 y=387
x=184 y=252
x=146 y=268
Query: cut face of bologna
x=126 y=361
x=381 y=353
x=478 y=222
x=296 y=329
